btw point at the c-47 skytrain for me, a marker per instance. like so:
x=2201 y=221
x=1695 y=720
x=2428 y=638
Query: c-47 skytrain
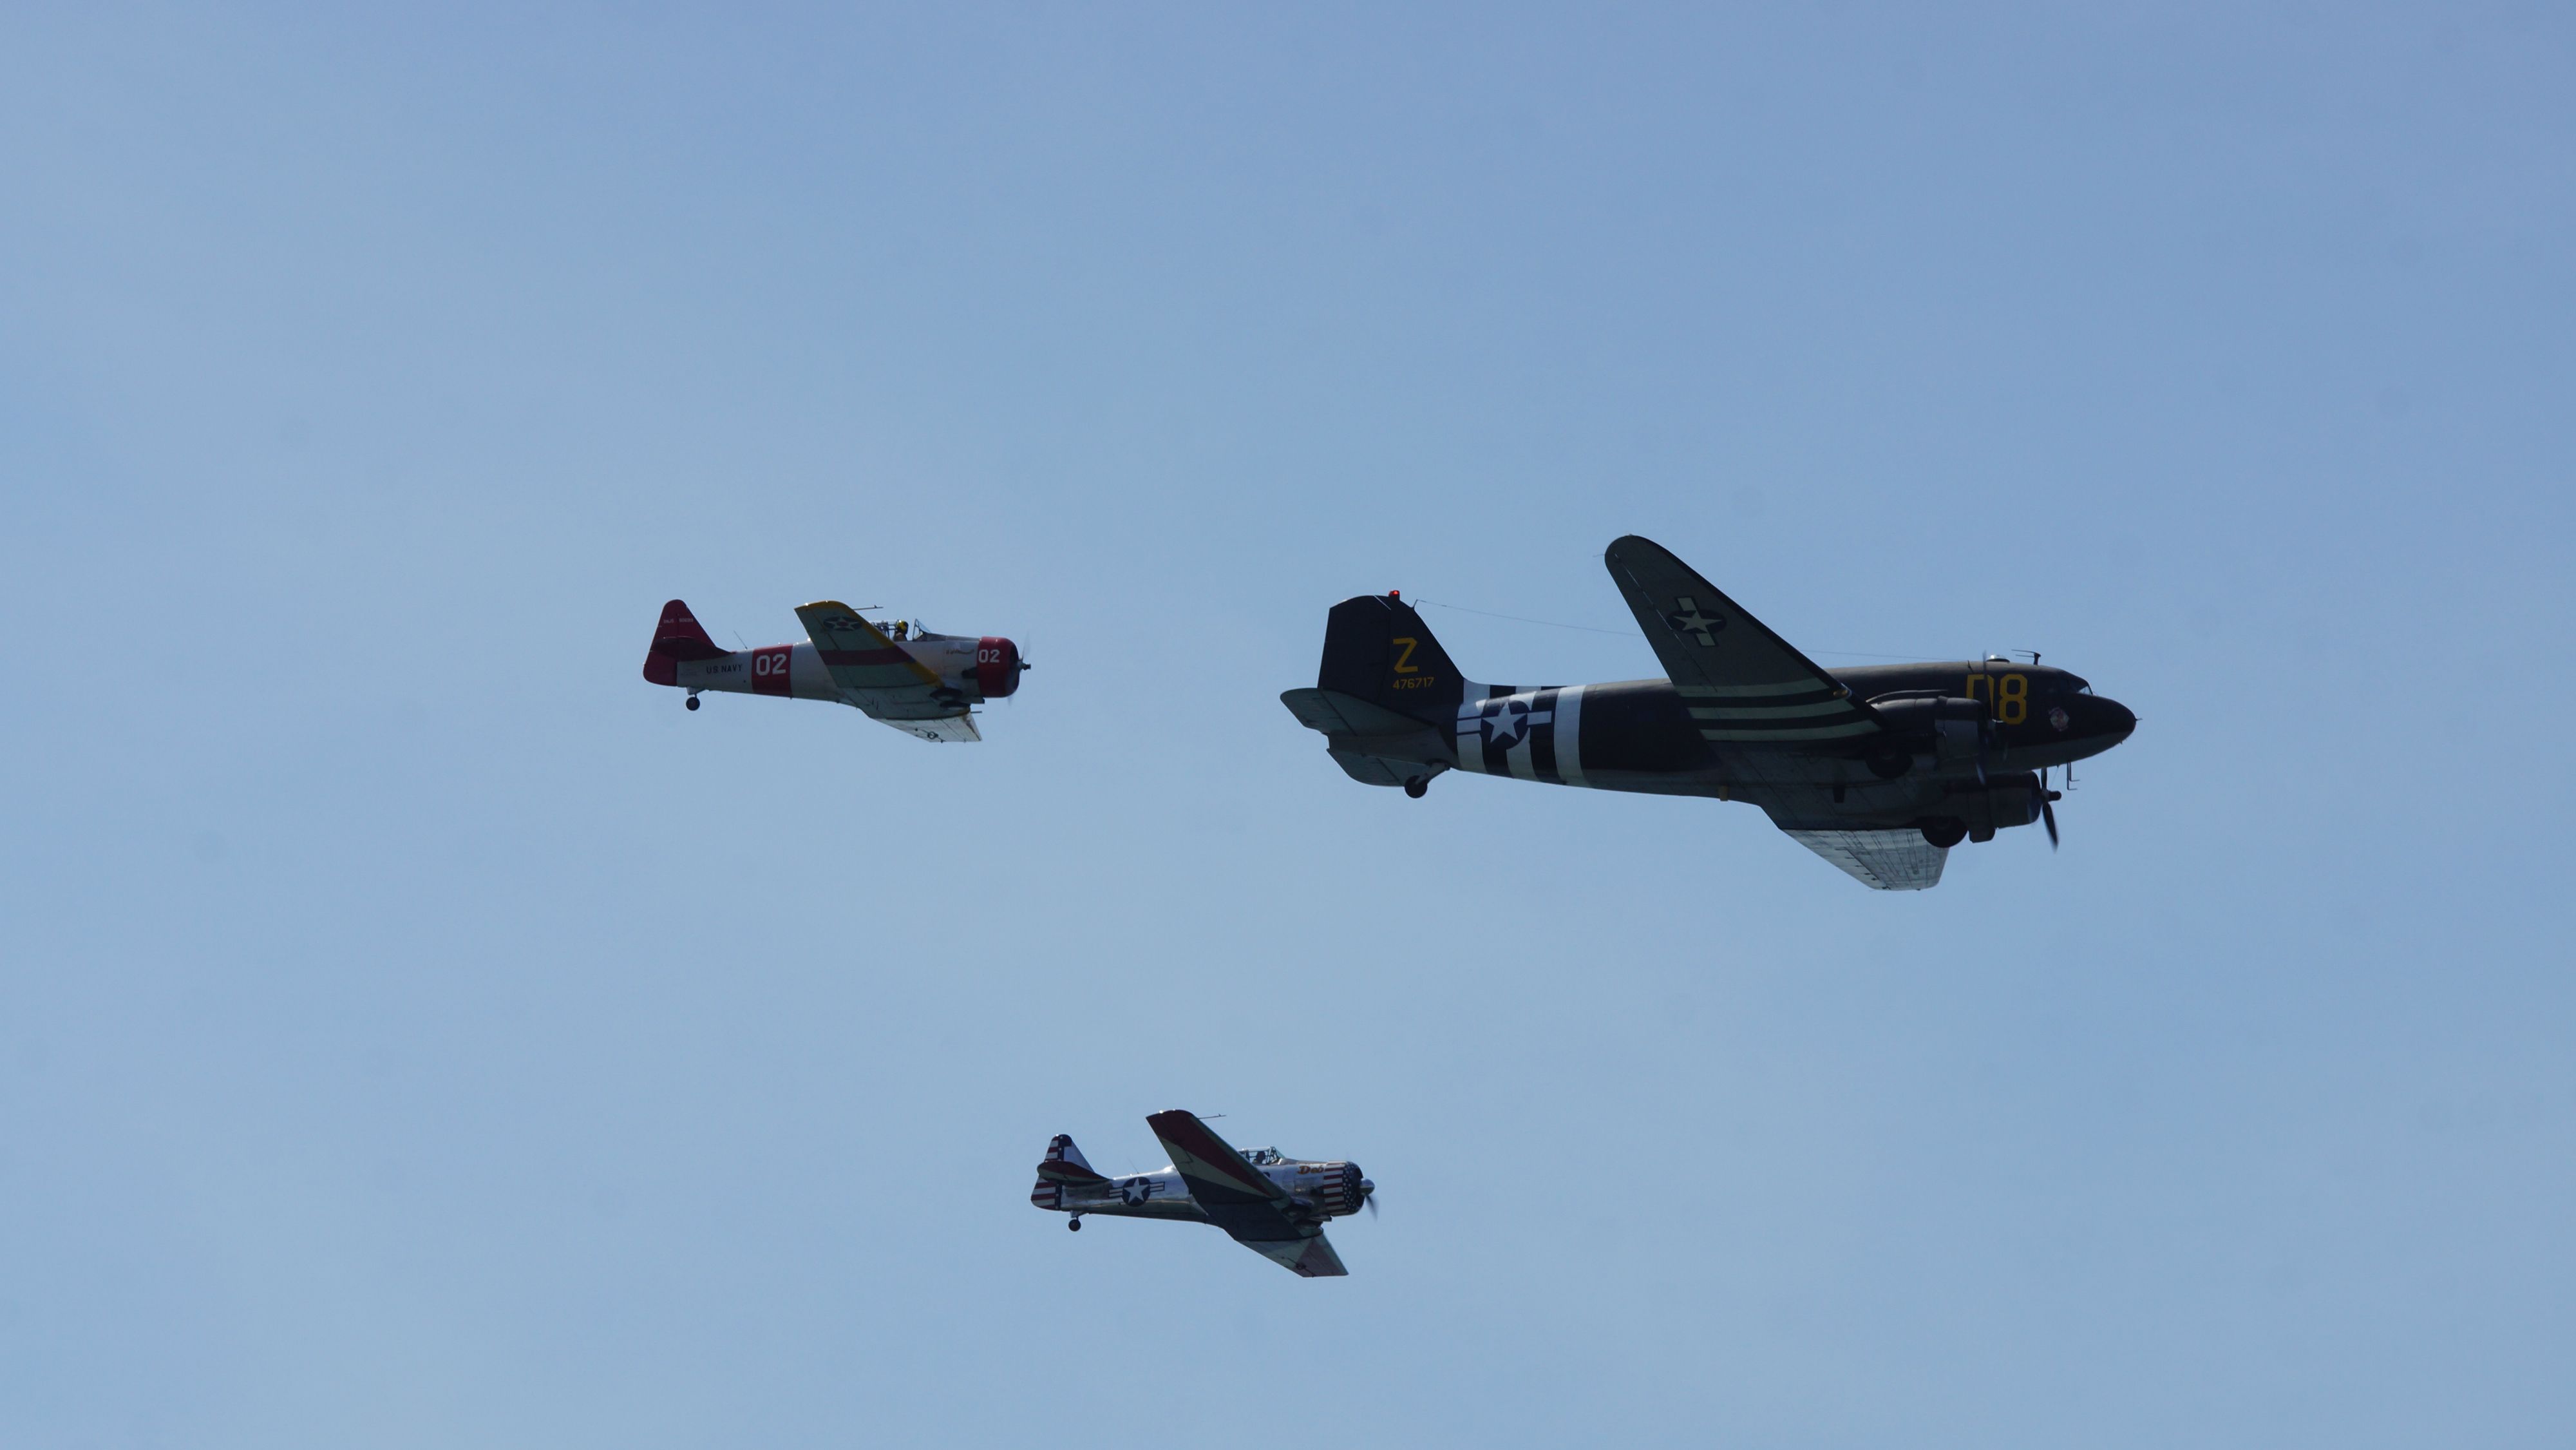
x=1880 y=770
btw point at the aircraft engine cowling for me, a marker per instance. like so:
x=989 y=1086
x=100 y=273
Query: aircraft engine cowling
x=997 y=666
x=1340 y=1192
x=2006 y=800
x=1948 y=726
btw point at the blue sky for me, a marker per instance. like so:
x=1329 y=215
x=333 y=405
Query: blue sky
x=417 y=1030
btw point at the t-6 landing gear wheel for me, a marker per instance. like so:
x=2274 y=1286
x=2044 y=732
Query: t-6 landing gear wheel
x=1074 y=1223
x=693 y=702
x=1417 y=786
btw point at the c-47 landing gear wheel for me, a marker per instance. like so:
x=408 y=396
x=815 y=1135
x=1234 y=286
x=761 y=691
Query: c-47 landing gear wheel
x=1417 y=787
x=1075 y=1224
x=693 y=702
x=1945 y=831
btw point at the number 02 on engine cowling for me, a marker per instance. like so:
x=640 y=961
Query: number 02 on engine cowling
x=1880 y=770
x=920 y=683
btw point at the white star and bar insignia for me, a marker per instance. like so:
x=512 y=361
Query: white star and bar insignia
x=1507 y=725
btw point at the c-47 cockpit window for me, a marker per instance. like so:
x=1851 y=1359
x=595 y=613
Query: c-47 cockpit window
x=2079 y=684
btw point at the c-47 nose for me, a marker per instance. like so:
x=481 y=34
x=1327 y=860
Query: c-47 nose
x=2110 y=717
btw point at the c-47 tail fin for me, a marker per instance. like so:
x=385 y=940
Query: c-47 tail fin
x=678 y=637
x=1386 y=698
x=1376 y=648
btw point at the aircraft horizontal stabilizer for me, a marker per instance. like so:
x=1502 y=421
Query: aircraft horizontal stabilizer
x=1372 y=744
x=1065 y=1164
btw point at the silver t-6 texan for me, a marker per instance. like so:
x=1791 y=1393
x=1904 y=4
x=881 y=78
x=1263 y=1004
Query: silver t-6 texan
x=1270 y=1203
x=1880 y=770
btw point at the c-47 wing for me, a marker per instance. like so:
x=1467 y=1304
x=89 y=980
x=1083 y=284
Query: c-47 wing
x=1242 y=1200
x=1883 y=860
x=1743 y=684
x=881 y=677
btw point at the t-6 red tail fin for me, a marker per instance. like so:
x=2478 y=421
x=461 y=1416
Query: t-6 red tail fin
x=678 y=637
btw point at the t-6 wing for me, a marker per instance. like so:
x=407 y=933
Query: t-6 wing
x=881 y=677
x=1744 y=685
x=1885 y=860
x=1242 y=1200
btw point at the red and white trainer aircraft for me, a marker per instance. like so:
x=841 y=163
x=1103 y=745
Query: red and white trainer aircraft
x=918 y=682
x=1270 y=1203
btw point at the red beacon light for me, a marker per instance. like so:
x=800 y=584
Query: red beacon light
x=1395 y=594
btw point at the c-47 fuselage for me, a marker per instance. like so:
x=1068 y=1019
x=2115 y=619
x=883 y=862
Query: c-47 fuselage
x=1643 y=735
x=1879 y=769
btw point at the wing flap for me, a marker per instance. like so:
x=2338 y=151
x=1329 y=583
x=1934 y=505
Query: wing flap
x=1881 y=860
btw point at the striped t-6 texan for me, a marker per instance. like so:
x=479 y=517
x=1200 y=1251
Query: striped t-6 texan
x=1880 y=770
x=1272 y=1204
x=918 y=682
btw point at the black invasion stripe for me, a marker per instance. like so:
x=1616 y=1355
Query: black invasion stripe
x=1498 y=757
x=1543 y=739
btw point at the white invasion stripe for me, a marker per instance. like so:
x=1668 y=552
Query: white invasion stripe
x=1785 y=687
x=1471 y=733
x=1813 y=732
x=1769 y=712
x=1569 y=735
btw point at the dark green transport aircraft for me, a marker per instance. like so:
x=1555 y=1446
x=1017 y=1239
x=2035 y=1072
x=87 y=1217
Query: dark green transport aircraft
x=1879 y=770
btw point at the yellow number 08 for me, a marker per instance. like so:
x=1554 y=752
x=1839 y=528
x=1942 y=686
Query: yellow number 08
x=2011 y=696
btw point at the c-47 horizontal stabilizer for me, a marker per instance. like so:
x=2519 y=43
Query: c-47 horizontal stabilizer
x=1371 y=743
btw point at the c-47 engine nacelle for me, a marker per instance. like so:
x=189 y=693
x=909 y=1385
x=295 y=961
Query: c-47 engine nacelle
x=2009 y=799
x=1945 y=727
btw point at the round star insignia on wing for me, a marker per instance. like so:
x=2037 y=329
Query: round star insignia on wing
x=1688 y=618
